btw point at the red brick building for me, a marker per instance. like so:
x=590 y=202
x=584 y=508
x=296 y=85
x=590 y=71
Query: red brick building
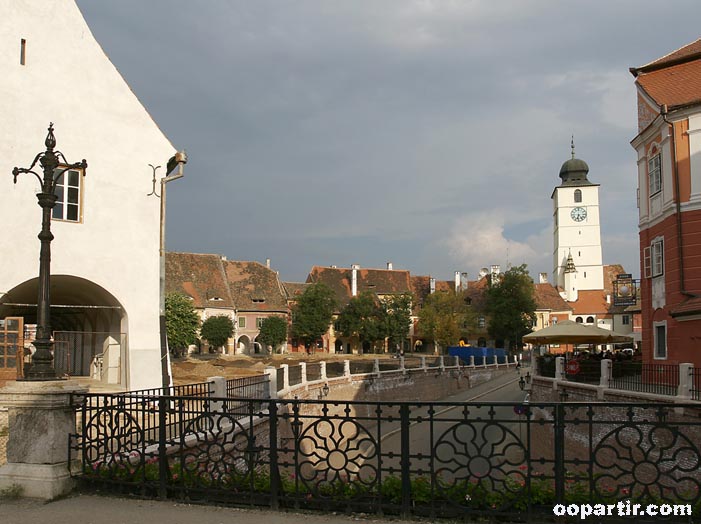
x=669 y=200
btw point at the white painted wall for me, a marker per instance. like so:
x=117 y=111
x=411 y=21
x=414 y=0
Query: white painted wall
x=69 y=80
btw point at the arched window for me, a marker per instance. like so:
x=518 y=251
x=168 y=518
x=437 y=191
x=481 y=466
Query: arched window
x=577 y=195
x=590 y=320
x=579 y=320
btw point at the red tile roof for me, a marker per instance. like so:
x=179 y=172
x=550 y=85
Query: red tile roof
x=378 y=281
x=547 y=297
x=675 y=79
x=212 y=281
x=200 y=276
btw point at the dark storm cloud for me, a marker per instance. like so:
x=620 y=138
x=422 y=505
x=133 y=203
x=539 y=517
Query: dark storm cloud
x=429 y=133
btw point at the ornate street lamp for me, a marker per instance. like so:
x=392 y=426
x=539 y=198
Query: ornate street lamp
x=53 y=164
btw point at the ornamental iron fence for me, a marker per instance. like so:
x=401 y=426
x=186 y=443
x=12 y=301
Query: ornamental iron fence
x=497 y=461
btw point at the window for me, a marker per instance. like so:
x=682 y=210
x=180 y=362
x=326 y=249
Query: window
x=657 y=256
x=579 y=320
x=647 y=264
x=660 y=341
x=654 y=174
x=22 y=51
x=68 y=192
x=259 y=322
x=590 y=320
x=242 y=322
x=553 y=321
x=626 y=320
x=481 y=322
x=577 y=195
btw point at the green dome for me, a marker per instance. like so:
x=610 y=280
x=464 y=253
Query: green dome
x=574 y=172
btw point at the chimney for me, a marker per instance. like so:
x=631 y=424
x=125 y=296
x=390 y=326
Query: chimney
x=354 y=279
x=431 y=285
x=389 y=266
x=463 y=281
x=483 y=273
x=496 y=269
x=223 y=257
x=543 y=278
x=457 y=281
x=267 y=263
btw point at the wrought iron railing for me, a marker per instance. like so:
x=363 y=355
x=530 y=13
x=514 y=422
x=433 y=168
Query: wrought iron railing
x=696 y=383
x=257 y=386
x=313 y=371
x=660 y=379
x=495 y=461
x=334 y=369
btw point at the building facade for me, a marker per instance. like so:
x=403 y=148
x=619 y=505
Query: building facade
x=105 y=252
x=668 y=147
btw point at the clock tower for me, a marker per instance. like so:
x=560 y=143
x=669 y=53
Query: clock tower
x=577 y=260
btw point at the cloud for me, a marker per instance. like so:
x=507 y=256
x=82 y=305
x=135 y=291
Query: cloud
x=477 y=240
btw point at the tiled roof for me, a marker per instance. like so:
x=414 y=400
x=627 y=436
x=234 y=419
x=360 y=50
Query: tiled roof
x=680 y=54
x=213 y=281
x=590 y=302
x=421 y=287
x=294 y=289
x=254 y=287
x=674 y=80
x=200 y=276
x=547 y=297
x=378 y=281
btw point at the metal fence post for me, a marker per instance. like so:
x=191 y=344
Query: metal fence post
x=273 y=446
x=162 y=455
x=405 y=460
x=559 y=452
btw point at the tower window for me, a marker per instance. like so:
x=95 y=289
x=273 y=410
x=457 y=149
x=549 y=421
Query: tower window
x=22 y=51
x=577 y=195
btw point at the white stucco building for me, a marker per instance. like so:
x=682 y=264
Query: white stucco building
x=105 y=254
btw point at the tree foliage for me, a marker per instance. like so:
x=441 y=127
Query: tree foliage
x=182 y=322
x=273 y=331
x=312 y=314
x=363 y=317
x=510 y=304
x=217 y=329
x=397 y=316
x=446 y=317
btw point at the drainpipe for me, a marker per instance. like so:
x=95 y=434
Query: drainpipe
x=680 y=240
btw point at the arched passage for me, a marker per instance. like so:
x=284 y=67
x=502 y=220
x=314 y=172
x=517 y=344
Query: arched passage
x=88 y=323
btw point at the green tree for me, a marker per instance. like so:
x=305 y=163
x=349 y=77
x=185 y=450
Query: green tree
x=510 y=305
x=273 y=331
x=363 y=317
x=312 y=314
x=445 y=317
x=182 y=322
x=397 y=314
x=216 y=330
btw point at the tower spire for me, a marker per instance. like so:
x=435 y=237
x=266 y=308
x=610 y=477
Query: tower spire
x=572 y=146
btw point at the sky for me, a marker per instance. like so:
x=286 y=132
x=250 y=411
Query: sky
x=426 y=133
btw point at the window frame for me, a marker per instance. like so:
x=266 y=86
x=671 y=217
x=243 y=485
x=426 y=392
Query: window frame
x=654 y=174
x=62 y=189
x=242 y=322
x=577 y=196
x=659 y=328
x=657 y=257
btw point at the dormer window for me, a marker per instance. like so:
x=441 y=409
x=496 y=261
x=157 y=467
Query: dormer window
x=216 y=299
x=258 y=300
x=654 y=173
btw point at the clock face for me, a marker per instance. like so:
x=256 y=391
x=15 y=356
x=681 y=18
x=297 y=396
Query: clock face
x=578 y=214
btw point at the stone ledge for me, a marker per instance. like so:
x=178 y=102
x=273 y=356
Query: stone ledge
x=53 y=394
x=39 y=481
